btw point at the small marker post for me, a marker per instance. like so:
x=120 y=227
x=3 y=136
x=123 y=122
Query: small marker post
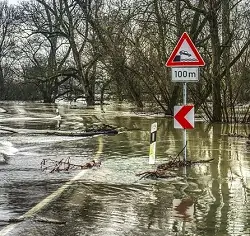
x=152 y=148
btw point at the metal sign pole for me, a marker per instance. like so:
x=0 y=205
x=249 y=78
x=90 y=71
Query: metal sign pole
x=185 y=61
x=185 y=131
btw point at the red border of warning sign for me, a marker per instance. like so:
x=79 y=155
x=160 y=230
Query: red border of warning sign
x=171 y=63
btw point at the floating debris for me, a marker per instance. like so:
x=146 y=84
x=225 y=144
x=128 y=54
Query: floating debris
x=163 y=170
x=65 y=165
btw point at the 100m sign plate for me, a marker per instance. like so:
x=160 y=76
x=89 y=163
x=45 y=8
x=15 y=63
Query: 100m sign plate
x=185 y=74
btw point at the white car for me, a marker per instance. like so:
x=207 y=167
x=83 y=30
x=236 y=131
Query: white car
x=182 y=52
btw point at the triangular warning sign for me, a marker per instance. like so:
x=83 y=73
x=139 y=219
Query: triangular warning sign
x=185 y=54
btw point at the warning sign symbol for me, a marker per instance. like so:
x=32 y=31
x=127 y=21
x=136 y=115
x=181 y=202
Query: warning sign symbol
x=185 y=54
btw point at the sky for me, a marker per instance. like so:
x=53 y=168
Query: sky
x=13 y=1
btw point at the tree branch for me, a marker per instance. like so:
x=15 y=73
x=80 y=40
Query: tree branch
x=192 y=7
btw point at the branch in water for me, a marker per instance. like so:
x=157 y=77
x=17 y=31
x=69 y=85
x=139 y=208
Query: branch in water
x=65 y=165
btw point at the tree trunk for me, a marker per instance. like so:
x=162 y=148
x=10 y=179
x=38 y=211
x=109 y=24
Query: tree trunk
x=52 y=68
x=84 y=80
x=2 y=89
x=226 y=43
x=176 y=90
x=216 y=54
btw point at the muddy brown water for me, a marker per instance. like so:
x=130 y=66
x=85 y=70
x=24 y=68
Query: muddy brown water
x=211 y=199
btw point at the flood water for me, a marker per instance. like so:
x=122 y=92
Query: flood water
x=205 y=199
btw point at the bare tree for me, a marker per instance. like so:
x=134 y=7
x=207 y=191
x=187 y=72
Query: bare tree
x=220 y=49
x=8 y=18
x=122 y=47
x=75 y=28
x=46 y=50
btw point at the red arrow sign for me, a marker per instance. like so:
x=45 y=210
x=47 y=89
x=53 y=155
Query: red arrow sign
x=184 y=115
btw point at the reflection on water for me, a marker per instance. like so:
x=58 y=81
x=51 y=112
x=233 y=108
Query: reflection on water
x=211 y=199
x=184 y=208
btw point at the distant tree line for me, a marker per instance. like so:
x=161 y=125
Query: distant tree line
x=51 y=49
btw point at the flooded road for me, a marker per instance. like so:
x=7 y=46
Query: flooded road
x=211 y=199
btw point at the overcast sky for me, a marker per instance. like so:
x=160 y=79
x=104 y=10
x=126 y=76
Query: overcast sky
x=13 y=1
